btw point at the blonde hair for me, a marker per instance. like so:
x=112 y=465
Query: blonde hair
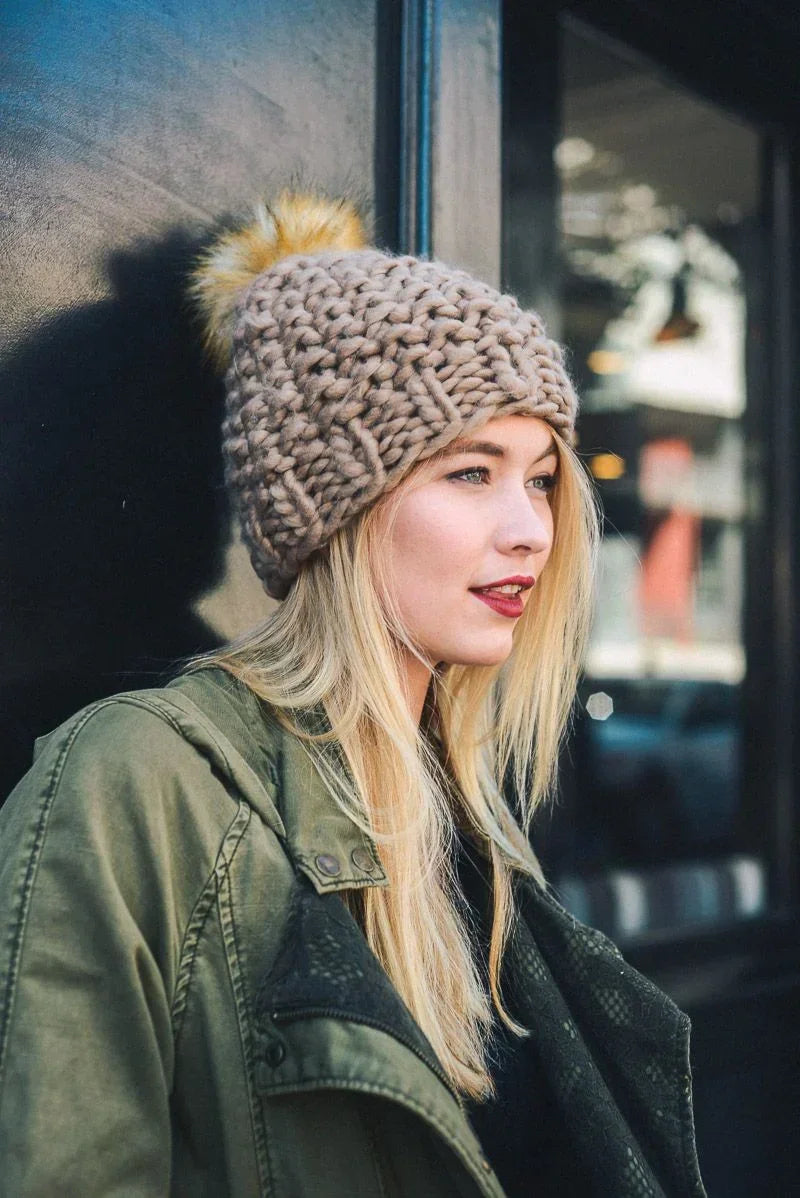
x=335 y=640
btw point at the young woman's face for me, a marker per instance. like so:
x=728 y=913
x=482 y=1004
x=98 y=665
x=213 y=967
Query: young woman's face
x=481 y=520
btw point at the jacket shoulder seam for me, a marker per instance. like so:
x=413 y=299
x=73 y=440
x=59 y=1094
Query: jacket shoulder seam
x=233 y=956
x=163 y=713
x=200 y=913
x=164 y=707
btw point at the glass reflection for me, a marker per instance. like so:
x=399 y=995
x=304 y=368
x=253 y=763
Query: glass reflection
x=659 y=211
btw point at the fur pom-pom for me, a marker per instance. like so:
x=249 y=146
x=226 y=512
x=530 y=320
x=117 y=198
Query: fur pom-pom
x=296 y=223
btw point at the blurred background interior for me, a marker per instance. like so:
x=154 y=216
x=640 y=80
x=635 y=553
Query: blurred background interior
x=629 y=168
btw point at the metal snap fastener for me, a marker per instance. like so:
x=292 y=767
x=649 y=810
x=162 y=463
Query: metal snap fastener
x=486 y=1164
x=326 y=863
x=275 y=1052
x=363 y=859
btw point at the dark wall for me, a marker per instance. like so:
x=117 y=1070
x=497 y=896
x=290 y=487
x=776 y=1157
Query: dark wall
x=126 y=131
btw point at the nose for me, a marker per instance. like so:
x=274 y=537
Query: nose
x=525 y=526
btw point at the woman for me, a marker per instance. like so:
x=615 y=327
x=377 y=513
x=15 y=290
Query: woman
x=275 y=928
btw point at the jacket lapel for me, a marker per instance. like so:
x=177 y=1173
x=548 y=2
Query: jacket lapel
x=324 y=843
x=327 y=1017
x=325 y=969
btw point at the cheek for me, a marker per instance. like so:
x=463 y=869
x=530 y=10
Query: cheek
x=428 y=548
x=424 y=530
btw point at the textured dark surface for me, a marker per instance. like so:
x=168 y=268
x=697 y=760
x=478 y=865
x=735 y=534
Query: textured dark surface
x=126 y=131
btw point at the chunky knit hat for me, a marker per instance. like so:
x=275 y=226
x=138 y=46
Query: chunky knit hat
x=346 y=365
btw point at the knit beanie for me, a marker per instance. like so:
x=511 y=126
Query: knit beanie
x=345 y=365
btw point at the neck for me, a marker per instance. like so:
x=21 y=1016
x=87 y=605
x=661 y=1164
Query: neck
x=416 y=680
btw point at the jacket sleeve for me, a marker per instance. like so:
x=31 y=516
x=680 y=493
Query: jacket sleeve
x=98 y=858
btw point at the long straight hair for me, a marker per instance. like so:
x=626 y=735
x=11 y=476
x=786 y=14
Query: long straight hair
x=337 y=640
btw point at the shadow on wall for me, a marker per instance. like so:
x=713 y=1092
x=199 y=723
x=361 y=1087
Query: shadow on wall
x=111 y=497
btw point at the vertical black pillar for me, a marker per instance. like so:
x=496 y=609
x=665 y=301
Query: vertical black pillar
x=530 y=98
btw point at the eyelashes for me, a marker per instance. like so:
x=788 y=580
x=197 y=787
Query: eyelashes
x=463 y=475
x=546 y=482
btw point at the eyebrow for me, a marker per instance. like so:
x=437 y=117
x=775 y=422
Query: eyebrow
x=488 y=447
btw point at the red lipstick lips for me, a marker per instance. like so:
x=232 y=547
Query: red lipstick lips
x=506 y=603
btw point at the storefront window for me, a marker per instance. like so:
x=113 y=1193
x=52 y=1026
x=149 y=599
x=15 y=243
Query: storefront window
x=659 y=210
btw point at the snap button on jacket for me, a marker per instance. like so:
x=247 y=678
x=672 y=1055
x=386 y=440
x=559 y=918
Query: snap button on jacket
x=188 y=1008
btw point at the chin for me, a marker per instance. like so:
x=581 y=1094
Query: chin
x=491 y=655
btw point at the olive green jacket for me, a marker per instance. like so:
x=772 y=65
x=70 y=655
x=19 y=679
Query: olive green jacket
x=187 y=1007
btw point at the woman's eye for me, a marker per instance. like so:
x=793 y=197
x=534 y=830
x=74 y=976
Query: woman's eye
x=543 y=482
x=480 y=474
x=474 y=474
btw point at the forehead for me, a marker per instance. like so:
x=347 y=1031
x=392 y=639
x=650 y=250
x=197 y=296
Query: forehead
x=503 y=436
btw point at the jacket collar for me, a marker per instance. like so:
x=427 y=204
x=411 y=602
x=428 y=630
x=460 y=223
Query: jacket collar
x=323 y=841
x=320 y=838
